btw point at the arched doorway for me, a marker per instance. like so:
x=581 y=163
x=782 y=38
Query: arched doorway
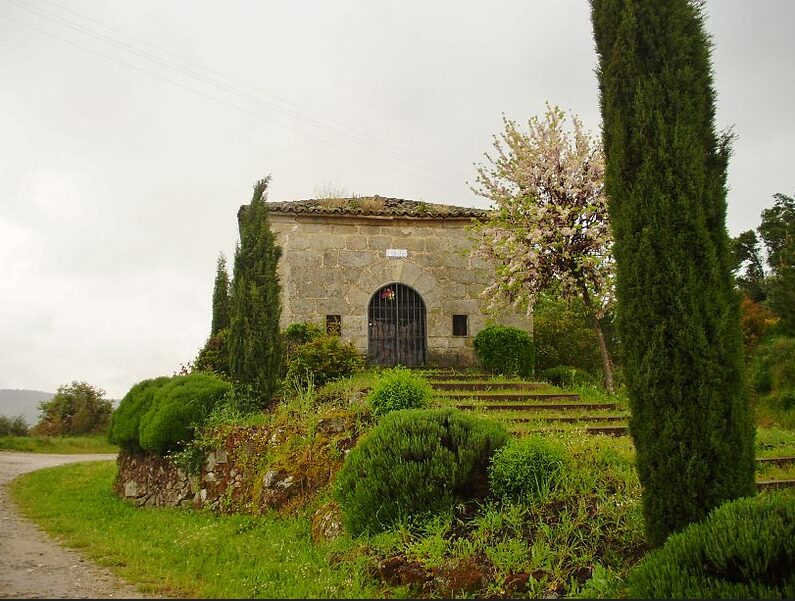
x=396 y=332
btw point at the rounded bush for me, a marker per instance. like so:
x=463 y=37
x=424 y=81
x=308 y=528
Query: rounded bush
x=177 y=408
x=505 y=350
x=323 y=359
x=126 y=419
x=525 y=469
x=415 y=462
x=566 y=375
x=399 y=388
x=744 y=549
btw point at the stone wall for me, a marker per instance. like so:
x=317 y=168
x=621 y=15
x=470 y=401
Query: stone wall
x=333 y=264
x=241 y=475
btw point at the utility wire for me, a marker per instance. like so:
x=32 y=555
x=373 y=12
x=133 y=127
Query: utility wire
x=352 y=138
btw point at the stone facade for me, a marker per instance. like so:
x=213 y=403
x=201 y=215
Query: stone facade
x=335 y=258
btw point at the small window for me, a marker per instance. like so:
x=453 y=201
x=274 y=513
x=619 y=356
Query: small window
x=460 y=325
x=334 y=324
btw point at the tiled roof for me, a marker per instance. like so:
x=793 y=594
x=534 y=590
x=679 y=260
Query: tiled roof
x=373 y=205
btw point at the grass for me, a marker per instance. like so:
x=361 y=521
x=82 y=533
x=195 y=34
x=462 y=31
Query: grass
x=581 y=540
x=591 y=519
x=184 y=553
x=68 y=445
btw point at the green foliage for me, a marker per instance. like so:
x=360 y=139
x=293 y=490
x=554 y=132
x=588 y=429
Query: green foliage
x=220 y=298
x=747 y=257
x=159 y=415
x=399 y=388
x=76 y=408
x=255 y=346
x=771 y=374
x=294 y=336
x=678 y=310
x=13 y=426
x=413 y=463
x=505 y=350
x=525 y=469
x=566 y=375
x=244 y=400
x=778 y=232
x=744 y=549
x=323 y=359
x=297 y=334
x=178 y=407
x=563 y=335
x=126 y=419
x=214 y=355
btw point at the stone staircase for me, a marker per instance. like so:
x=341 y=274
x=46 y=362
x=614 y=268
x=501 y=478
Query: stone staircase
x=536 y=407
x=525 y=406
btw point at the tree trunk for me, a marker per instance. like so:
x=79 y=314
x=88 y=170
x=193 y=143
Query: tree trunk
x=607 y=367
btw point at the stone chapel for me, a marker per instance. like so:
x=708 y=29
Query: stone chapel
x=391 y=276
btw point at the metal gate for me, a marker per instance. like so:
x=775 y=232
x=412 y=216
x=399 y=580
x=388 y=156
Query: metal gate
x=396 y=333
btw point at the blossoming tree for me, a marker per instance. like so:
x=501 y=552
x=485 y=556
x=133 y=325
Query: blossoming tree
x=549 y=229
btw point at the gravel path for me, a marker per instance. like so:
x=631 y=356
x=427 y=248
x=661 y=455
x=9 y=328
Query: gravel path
x=34 y=566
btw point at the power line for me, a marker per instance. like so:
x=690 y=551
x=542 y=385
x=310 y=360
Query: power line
x=352 y=138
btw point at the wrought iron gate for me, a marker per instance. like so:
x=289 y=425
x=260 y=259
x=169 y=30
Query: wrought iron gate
x=396 y=333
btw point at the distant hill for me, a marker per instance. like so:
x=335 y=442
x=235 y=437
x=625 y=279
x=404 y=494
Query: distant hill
x=15 y=402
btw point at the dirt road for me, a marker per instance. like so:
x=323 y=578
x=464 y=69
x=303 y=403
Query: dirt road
x=32 y=565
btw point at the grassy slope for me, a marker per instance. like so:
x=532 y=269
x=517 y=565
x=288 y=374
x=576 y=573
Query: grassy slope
x=182 y=553
x=58 y=444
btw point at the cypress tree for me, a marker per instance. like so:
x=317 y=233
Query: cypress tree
x=677 y=312
x=255 y=348
x=220 y=297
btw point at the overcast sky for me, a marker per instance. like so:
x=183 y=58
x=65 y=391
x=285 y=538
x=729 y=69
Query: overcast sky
x=131 y=132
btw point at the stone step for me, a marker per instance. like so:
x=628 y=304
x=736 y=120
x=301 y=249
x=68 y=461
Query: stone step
x=774 y=484
x=455 y=377
x=776 y=460
x=592 y=430
x=571 y=420
x=486 y=386
x=505 y=396
x=539 y=407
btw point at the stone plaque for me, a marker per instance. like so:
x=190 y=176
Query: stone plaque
x=397 y=253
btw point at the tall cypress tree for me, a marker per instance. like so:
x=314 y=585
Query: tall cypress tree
x=678 y=315
x=254 y=340
x=220 y=297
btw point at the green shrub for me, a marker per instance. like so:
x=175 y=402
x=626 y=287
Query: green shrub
x=323 y=359
x=505 y=350
x=214 y=355
x=744 y=549
x=76 y=408
x=126 y=419
x=297 y=334
x=13 y=426
x=399 y=388
x=415 y=462
x=771 y=375
x=177 y=409
x=773 y=366
x=563 y=335
x=566 y=375
x=525 y=469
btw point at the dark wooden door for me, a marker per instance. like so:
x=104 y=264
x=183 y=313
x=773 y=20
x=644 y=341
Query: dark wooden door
x=396 y=317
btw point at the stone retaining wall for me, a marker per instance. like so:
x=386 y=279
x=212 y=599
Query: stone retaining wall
x=236 y=477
